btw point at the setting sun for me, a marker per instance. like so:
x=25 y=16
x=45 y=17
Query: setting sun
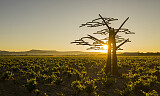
x=105 y=46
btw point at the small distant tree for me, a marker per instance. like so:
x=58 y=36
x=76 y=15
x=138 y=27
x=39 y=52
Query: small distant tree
x=111 y=41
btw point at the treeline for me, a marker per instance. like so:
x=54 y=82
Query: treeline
x=140 y=54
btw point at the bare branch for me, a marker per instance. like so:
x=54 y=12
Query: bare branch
x=111 y=19
x=121 y=26
x=84 y=37
x=98 y=45
x=86 y=44
x=95 y=48
x=74 y=42
x=102 y=32
x=95 y=39
x=104 y=22
x=129 y=32
x=122 y=43
x=95 y=43
x=96 y=19
x=97 y=23
x=93 y=24
x=119 y=49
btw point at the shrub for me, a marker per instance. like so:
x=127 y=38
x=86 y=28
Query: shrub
x=77 y=87
x=90 y=87
x=50 y=78
x=107 y=81
x=31 y=84
x=78 y=75
x=57 y=81
x=140 y=85
x=7 y=75
x=125 y=92
x=152 y=93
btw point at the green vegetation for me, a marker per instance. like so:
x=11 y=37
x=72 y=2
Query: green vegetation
x=82 y=75
x=31 y=84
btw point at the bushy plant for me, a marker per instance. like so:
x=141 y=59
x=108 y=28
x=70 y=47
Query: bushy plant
x=60 y=94
x=107 y=81
x=90 y=87
x=69 y=73
x=31 y=84
x=78 y=75
x=38 y=92
x=151 y=93
x=57 y=81
x=7 y=75
x=56 y=73
x=14 y=68
x=50 y=78
x=140 y=85
x=125 y=92
x=77 y=86
x=41 y=78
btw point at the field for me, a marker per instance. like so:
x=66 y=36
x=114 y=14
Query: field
x=78 y=76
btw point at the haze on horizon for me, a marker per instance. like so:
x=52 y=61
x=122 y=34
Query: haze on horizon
x=53 y=24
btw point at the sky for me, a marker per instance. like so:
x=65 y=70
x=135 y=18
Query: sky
x=53 y=24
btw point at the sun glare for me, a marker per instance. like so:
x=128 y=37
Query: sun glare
x=105 y=47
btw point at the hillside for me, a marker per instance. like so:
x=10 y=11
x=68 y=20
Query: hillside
x=46 y=52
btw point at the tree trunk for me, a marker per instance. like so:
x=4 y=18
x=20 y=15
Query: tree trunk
x=114 y=59
x=108 y=65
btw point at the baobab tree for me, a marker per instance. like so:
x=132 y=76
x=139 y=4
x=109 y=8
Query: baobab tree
x=111 y=41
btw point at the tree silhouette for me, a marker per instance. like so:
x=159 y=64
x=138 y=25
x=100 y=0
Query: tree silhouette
x=111 y=40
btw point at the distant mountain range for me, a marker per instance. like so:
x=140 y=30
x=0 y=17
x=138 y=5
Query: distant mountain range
x=46 y=52
x=54 y=52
